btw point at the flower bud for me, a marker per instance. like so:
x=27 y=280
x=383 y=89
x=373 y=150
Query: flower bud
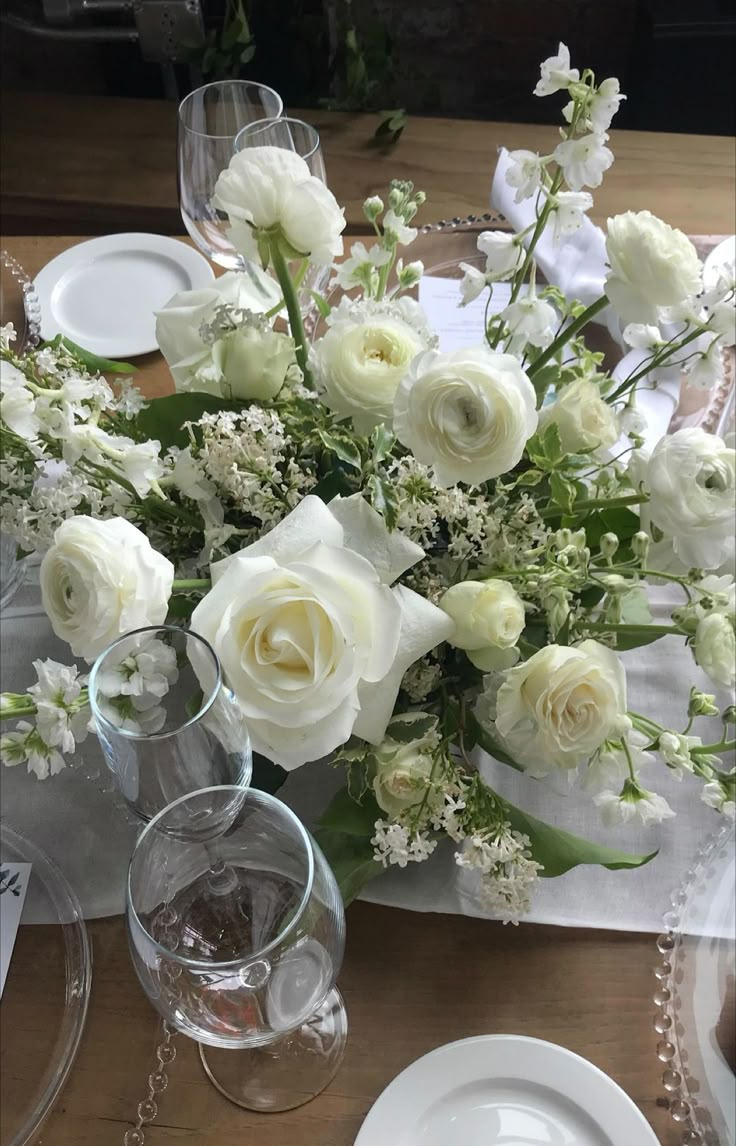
x=608 y=544
x=728 y=716
x=615 y=583
x=420 y=198
x=372 y=208
x=395 y=198
x=640 y=543
x=701 y=704
x=409 y=275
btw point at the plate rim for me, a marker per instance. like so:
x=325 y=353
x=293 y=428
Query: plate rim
x=373 y=1127
x=186 y=256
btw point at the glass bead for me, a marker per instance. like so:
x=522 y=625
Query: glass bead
x=147 y=1110
x=134 y=1137
x=665 y=943
x=157 y=1082
x=680 y=1110
x=661 y=996
x=662 y=970
x=166 y=1053
x=662 y=1023
x=690 y=1138
x=665 y=1051
x=670 y=920
x=671 y=1080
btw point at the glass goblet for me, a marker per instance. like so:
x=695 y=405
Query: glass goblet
x=210 y=119
x=166 y=720
x=237 y=930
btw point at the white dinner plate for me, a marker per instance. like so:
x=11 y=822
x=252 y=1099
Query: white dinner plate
x=504 y=1090
x=103 y=293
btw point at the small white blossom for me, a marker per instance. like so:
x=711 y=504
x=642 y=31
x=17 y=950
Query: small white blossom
x=472 y=284
x=394 y=844
x=360 y=266
x=704 y=371
x=642 y=336
x=556 y=73
x=504 y=253
x=604 y=104
x=632 y=804
x=397 y=230
x=145 y=672
x=61 y=723
x=531 y=321
x=524 y=173
x=502 y=858
x=569 y=212
x=25 y=746
x=584 y=160
x=675 y=748
x=715 y=796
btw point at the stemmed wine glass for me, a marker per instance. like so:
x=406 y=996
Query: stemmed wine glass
x=166 y=720
x=210 y=119
x=237 y=931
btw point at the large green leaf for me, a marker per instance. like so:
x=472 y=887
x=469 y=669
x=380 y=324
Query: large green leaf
x=559 y=851
x=351 y=859
x=90 y=361
x=481 y=736
x=267 y=776
x=163 y=418
x=343 y=814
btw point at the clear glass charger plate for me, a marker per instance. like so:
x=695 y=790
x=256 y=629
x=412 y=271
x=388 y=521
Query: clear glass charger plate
x=696 y=997
x=44 y=1003
x=19 y=303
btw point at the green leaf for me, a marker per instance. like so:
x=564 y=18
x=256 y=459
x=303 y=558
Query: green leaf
x=563 y=492
x=635 y=640
x=164 y=418
x=344 y=814
x=383 y=442
x=351 y=860
x=551 y=443
x=391 y=125
x=405 y=731
x=345 y=449
x=530 y=477
x=321 y=303
x=232 y=33
x=559 y=851
x=383 y=499
x=333 y=483
x=482 y=736
x=91 y=361
x=247 y=54
x=267 y=776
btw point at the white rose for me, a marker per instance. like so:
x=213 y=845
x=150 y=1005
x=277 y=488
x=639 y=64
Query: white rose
x=360 y=360
x=504 y=253
x=691 y=480
x=312 y=640
x=558 y=707
x=469 y=414
x=268 y=187
x=252 y=363
x=486 y=614
x=715 y=648
x=584 y=420
x=652 y=265
x=404 y=770
x=101 y=579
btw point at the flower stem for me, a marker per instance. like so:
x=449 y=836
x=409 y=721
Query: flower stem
x=596 y=503
x=713 y=749
x=569 y=332
x=612 y=627
x=189 y=586
x=292 y=309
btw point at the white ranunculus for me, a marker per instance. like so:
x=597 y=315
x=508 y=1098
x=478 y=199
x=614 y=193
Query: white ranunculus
x=531 y=321
x=556 y=73
x=504 y=253
x=584 y=160
x=524 y=173
x=101 y=579
x=469 y=414
x=179 y=324
x=652 y=265
x=584 y=420
x=362 y=357
x=487 y=614
x=715 y=648
x=404 y=771
x=313 y=642
x=569 y=212
x=268 y=187
x=472 y=284
x=557 y=708
x=690 y=477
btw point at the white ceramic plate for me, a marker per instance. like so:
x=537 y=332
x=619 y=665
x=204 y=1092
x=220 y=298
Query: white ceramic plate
x=103 y=293
x=504 y=1090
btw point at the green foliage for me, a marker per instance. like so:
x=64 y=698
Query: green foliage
x=476 y=733
x=343 y=446
x=90 y=361
x=223 y=51
x=164 y=418
x=350 y=817
x=383 y=498
x=351 y=860
x=390 y=126
x=559 y=851
x=267 y=776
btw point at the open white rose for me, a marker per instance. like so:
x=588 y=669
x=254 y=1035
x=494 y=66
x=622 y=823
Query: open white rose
x=653 y=265
x=715 y=648
x=179 y=330
x=312 y=640
x=557 y=708
x=268 y=187
x=101 y=579
x=486 y=614
x=360 y=360
x=404 y=770
x=690 y=477
x=469 y=414
x=584 y=420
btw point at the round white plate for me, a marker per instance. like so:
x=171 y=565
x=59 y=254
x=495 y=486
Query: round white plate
x=103 y=293
x=504 y=1090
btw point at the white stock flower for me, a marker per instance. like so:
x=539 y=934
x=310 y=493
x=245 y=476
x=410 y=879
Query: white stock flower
x=58 y=721
x=469 y=414
x=722 y=319
x=675 y=748
x=365 y=352
x=486 y=614
x=504 y=253
x=524 y=172
x=556 y=73
x=312 y=639
x=584 y=160
x=472 y=284
x=715 y=648
x=101 y=579
x=24 y=745
x=397 y=230
x=640 y=336
x=557 y=708
x=569 y=212
x=17 y=404
x=531 y=321
x=706 y=370
x=634 y=804
x=610 y=766
x=690 y=477
x=269 y=187
x=358 y=268
x=146 y=668
x=716 y=797
x=652 y=265
x=404 y=770
x=604 y=104
x=583 y=418
x=141 y=465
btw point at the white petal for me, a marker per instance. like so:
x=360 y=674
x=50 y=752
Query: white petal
x=365 y=532
x=309 y=522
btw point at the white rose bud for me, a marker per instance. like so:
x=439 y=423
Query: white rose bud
x=715 y=648
x=584 y=420
x=404 y=770
x=101 y=579
x=652 y=264
x=252 y=362
x=486 y=614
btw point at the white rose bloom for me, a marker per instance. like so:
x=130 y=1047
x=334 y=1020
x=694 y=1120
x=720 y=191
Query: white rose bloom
x=487 y=614
x=178 y=325
x=101 y=579
x=556 y=73
x=569 y=212
x=252 y=362
x=404 y=770
x=312 y=640
x=652 y=264
x=715 y=648
x=531 y=321
x=266 y=187
x=557 y=708
x=584 y=160
x=525 y=173
x=469 y=414
x=604 y=104
x=472 y=284
x=362 y=357
x=691 y=480
x=584 y=420
x=504 y=253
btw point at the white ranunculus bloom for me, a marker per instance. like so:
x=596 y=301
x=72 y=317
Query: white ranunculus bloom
x=652 y=264
x=556 y=73
x=715 y=648
x=362 y=357
x=531 y=321
x=179 y=324
x=504 y=253
x=604 y=104
x=313 y=642
x=584 y=420
x=404 y=771
x=267 y=187
x=557 y=708
x=469 y=414
x=569 y=212
x=487 y=614
x=584 y=160
x=472 y=284
x=690 y=477
x=101 y=579
x=524 y=173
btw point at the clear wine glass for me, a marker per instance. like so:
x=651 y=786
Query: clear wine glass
x=210 y=119
x=166 y=720
x=237 y=931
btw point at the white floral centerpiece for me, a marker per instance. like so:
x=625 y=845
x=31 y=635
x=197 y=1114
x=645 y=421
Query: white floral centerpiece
x=401 y=555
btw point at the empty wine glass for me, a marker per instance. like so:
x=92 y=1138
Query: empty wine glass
x=237 y=931
x=210 y=119
x=166 y=720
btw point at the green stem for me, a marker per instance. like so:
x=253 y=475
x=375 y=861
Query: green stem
x=653 y=363
x=611 y=627
x=596 y=503
x=292 y=309
x=569 y=332
x=383 y=274
x=713 y=749
x=188 y=586
x=629 y=761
